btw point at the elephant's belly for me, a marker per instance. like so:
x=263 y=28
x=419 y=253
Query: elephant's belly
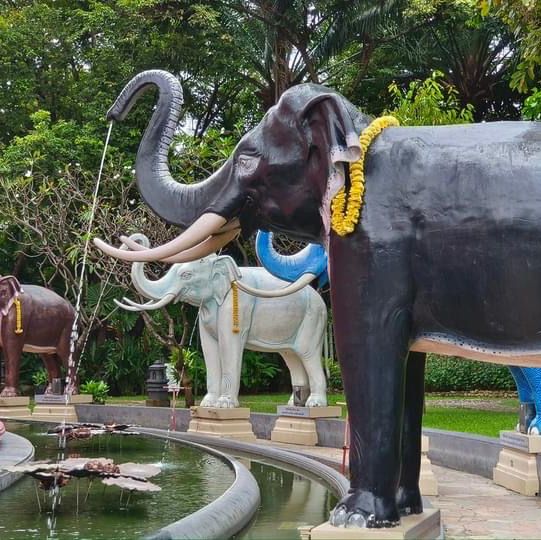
x=39 y=349
x=441 y=344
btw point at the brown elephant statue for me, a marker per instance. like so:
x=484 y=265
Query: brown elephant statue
x=37 y=320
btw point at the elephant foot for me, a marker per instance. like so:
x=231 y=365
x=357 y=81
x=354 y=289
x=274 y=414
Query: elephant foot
x=71 y=390
x=316 y=400
x=535 y=426
x=291 y=401
x=210 y=400
x=363 y=509
x=227 y=402
x=49 y=389
x=409 y=501
x=9 y=391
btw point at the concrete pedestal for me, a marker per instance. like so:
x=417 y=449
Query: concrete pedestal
x=297 y=425
x=55 y=408
x=425 y=526
x=15 y=408
x=227 y=423
x=517 y=467
x=428 y=484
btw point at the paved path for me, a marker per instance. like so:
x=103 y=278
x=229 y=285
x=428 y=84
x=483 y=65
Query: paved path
x=472 y=507
x=13 y=450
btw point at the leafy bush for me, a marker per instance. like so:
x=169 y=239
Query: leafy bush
x=429 y=103
x=452 y=373
x=40 y=377
x=258 y=370
x=532 y=106
x=334 y=375
x=98 y=389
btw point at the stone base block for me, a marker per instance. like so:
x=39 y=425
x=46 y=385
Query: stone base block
x=517 y=471
x=288 y=429
x=227 y=423
x=425 y=526
x=217 y=413
x=427 y=480
x=428 y=483
x=332 y=411
x=15 y=407
x=531 y=444
x=62 y=399
x=54 y=413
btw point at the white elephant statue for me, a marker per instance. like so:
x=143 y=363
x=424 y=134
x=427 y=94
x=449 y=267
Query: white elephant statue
x=231 y=320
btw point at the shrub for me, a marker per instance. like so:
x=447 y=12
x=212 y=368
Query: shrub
x=258 y=370
x=99 y=390
x=334 y=375
x=452 y=373
x=40 y=377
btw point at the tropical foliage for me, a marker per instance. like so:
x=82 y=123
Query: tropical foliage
x=64 y=62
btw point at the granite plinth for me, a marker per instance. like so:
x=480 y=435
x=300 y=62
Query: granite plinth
x=58 y=407
x=288 y=429
x=217 y=422
x=15 y=407
x=425 y=526
x=62 y=399
x=428 y=483
x=530 y=444
x=333 y=411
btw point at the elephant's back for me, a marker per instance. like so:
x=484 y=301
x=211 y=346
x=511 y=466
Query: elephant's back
x=46 y=302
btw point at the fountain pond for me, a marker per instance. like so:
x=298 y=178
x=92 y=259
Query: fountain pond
x=190 y=479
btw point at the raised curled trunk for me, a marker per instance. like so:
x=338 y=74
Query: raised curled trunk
x=153 y=289
x=174 y=202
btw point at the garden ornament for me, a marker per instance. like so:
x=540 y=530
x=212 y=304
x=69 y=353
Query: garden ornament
x=231 y=321
x=444 y=254
x=34 y=319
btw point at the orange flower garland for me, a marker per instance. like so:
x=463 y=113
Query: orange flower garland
x=345 y=214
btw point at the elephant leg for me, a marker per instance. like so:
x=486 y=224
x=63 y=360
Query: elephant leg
x=526 y=397
x=408 y=497
x=231 y=348
x=211 y=355
x=296 y=370
x=52 y=365
x=533 y=376
x=12 y=349
x=316 y=378
x=68 y=361
x=372 y=297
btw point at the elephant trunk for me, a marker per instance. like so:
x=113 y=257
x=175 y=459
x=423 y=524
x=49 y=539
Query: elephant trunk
x=204 y=208
x=152 y=289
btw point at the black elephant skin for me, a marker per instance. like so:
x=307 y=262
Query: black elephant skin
x=446 y=257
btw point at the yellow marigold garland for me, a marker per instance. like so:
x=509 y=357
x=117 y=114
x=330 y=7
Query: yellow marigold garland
x=235 y=291
x=345 y=214
x=18 y=316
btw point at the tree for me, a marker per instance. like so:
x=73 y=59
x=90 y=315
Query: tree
x=524 y=20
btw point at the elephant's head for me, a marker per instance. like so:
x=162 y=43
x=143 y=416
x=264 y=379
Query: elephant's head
x=281 y=176
x=310 y=260
x=10 y=289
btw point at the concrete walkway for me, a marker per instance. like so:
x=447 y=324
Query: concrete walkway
x=14 y=450
x=472 y=507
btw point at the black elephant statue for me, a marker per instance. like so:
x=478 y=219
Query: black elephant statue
x=445 y=257
x=37 y=320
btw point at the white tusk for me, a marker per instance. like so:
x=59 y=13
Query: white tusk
x=304 y=280
x=198 y=231
x=134 y=306
x=208 y=246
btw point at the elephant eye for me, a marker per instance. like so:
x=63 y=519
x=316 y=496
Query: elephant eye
x=186 y=275
x=247 y=164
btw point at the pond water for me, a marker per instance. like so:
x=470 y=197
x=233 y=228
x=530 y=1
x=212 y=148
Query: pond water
x=190 y=479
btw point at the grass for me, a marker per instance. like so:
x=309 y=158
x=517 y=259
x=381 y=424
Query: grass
x=467 y=419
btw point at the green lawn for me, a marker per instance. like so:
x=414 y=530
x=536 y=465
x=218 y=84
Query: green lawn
x=466 y=419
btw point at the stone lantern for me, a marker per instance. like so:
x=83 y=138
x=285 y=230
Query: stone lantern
x=157 y=394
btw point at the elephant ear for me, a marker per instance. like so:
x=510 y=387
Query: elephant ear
x=333 y=125
x=15 y=288
x=224 y=272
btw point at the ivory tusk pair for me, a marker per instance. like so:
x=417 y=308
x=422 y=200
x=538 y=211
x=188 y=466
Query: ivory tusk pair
x=130 y=305
x=304 y=280
x=197 y=233
x=208 y=246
